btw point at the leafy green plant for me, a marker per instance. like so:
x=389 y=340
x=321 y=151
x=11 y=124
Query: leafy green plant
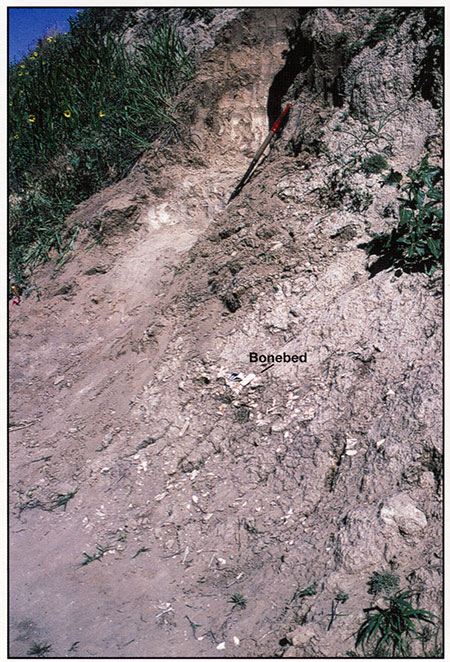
x=416 y=242
x=82 y=109
x=420 y=228
x=342 y=597
x=388 y=632
x=305 y=592
x=383 y=582
x=238 y=600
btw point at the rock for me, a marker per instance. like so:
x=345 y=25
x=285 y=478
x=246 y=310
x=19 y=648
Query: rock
x=358 y=545
x=427 y=480
x=301 y=635
x=400 y=511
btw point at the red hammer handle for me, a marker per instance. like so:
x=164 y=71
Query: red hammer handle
x=274 y=129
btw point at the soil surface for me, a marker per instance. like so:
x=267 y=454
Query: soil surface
x=171 y=498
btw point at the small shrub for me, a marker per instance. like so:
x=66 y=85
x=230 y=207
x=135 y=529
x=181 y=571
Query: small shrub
x=342 y=597
x=393 y=178
x=386 y=25
x=306 y=592
x=204 y=14
x=383 y=582
x=383 y=29
x=389 y=631
x=349 y=51
x=416 y=242
x=420 y=228
x=339 y=191
x=374 y=164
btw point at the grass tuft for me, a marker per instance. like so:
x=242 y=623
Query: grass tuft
x=88 y=558
x=38 y=650
x=389 y=631
x=238 y=600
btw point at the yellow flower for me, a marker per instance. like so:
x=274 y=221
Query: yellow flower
x=35 y=54
x=67 y=113
x=20 y=91
x=10 y=103
x=16 y=136
x=31 y=118
x=27 y=73
x=32 y=58
x=20 y=73
x=49 y=39
x=102 y=113
x=22 y=66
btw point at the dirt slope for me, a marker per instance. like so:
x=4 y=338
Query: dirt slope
x=193 y=475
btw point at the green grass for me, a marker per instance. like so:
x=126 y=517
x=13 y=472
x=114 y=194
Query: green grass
x=82 y=109
x=88 y=558
x=388 y=632
x=39 y=650
x=29 y=500
x=63 y=499
x=141 y=551
x=238 y=600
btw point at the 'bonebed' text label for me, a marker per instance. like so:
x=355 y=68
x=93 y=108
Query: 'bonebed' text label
x=277 y=358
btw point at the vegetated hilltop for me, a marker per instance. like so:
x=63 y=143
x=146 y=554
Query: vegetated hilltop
x=169 y=496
